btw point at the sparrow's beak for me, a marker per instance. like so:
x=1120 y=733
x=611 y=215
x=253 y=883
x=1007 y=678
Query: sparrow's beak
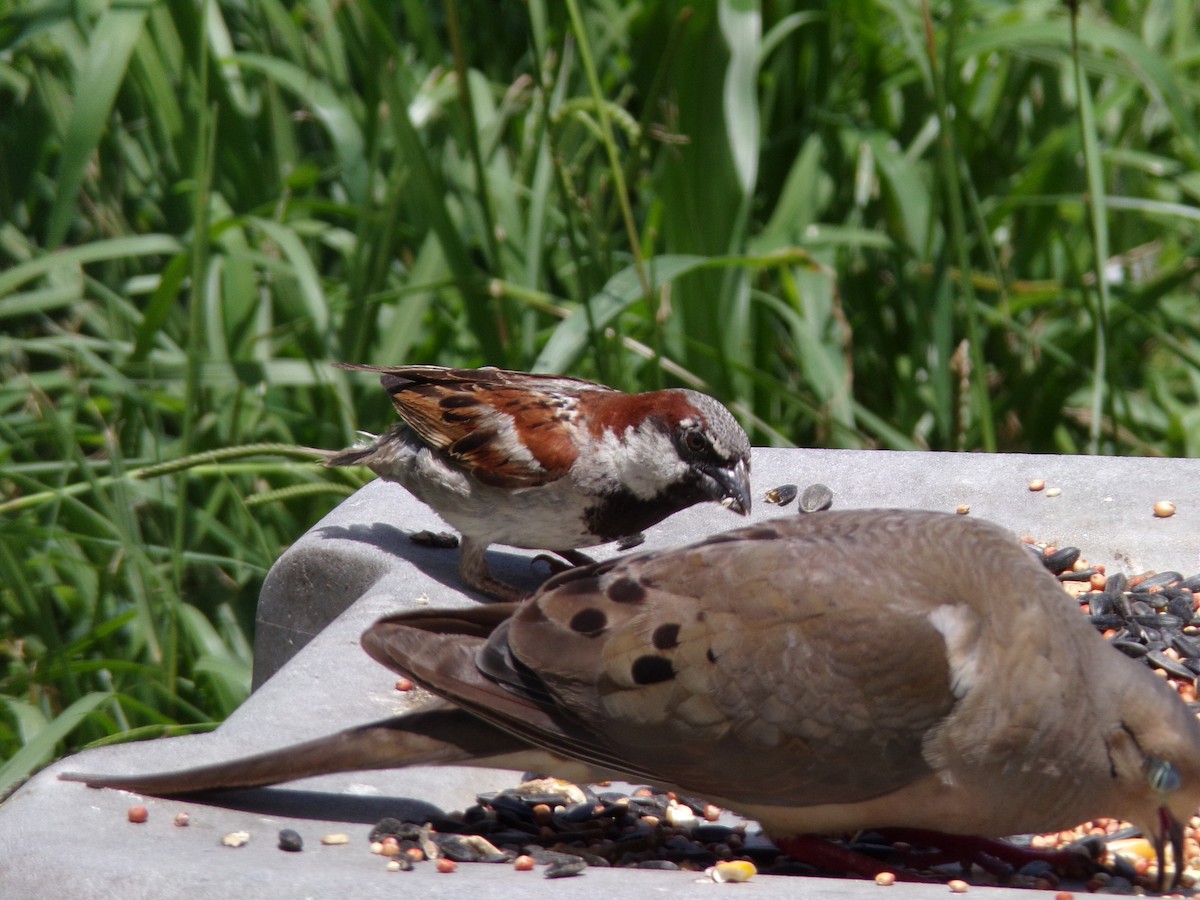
x=732 y=489
x=1172 y=828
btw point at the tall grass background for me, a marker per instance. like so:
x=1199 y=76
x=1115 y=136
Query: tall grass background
x=962 y=225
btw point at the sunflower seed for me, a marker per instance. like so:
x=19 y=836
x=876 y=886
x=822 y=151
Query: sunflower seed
x=1061 y=560
x=782 y=495
x=816 y=498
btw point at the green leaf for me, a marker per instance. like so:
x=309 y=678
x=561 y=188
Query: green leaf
x=110 y=44
x=40 y=748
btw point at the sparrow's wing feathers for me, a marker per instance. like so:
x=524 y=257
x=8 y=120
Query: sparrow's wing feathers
x=677 y=668
x=476 y=417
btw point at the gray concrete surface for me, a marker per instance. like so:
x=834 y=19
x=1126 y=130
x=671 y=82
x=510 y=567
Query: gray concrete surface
x=60 y=839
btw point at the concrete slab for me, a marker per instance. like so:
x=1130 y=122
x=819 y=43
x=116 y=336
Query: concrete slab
x=62 y=839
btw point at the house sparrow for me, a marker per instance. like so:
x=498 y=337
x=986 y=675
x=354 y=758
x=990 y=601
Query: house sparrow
x=548 y=462
x=825 y=673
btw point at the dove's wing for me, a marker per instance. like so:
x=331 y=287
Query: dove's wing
x=681 y=668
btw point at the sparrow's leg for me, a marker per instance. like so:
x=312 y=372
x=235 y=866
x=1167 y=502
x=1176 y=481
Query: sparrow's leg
x=473 y=568
x=575 y=558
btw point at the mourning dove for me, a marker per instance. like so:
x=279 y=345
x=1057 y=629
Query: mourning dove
x=827 y=673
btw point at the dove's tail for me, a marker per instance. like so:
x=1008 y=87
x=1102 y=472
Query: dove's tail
x=441 y=734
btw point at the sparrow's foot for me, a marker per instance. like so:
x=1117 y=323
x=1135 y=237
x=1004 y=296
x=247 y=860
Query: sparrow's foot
x=473 y=568
x=573 y=558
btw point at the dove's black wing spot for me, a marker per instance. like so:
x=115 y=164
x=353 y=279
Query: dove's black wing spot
x=666 y=636
x=590 y=621
x=652 y=670
x=626 y=590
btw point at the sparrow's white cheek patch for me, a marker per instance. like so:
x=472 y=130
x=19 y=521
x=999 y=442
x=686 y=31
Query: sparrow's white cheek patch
x=643 y=458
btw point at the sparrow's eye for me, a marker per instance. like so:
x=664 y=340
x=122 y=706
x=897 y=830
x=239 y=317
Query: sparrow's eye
x=694 y=441
x=1164 y=778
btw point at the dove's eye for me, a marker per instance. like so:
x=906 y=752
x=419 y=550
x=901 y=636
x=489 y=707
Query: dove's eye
x=1163 y=777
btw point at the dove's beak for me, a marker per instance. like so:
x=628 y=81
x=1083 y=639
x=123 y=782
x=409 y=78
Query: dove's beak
x=1169 y=828
x=732 y=488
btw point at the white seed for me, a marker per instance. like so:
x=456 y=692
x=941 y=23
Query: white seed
x=680 y=815
x=335 y=839
x=962 y=509
x=236 y=838
x=1053 y=492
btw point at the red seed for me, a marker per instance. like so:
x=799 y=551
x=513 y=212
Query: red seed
x=138 y=814
x=523 y=863
x=404 y=684
x=446 y=865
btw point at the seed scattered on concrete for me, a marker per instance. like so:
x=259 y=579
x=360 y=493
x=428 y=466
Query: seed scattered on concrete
x=962 y=509
x=734 y=872
x=886 y=879
x=236 y=839
x=680 y=815
x=290 y=840
x=182 y=819
x=1038 y=484
x=957 y=886
x=1053 y=492
x=782 y=495
x=335 y=839
x=393 y=865
x=816 y=498
x=446 y=866
x=404 y=684
x=138 y=814
x=377 y=847
x=1164 y=509
x=523 y=863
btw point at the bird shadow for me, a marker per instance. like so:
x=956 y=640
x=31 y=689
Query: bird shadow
x=322 y=806
x=439 y=563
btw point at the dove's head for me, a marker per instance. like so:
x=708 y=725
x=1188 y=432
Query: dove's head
x=1154 y=754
